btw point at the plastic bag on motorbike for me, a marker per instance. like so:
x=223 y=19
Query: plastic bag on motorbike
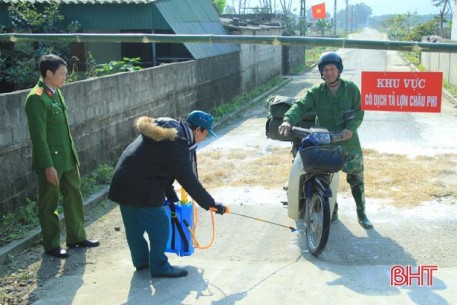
x=322 y=159
x=277 y=106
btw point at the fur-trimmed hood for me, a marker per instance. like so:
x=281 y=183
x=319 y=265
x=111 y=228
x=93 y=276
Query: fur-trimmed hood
x=158 y=129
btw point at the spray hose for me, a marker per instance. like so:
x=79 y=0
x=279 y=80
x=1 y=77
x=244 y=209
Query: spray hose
x=193 y=231
x=184 y=198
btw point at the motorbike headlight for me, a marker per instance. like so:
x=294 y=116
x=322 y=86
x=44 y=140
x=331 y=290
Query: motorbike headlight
x=322 y=137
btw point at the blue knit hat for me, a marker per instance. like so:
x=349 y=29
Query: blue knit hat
x=201 y=119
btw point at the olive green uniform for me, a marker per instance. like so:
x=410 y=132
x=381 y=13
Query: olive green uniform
x=53 y=146
x=329 y=111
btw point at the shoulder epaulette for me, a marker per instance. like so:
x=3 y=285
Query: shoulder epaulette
x=39 y=91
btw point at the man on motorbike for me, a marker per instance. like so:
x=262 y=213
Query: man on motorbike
x=330 y=100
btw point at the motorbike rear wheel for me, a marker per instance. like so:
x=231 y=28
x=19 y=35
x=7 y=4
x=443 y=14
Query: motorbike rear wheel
x=318 y=226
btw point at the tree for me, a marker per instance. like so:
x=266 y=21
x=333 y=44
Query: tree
x=237 y=5
x=361 y=14
x=399 y=27
x=423 y=29
x=323 y=25
x=356 y=17
x=219 y=5
x=445 y=9
x=266 y=6
x=288 y=18
x=18 y=64
x=285 y=6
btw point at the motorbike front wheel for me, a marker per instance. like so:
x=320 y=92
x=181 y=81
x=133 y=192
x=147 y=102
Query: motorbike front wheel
x=318 y=226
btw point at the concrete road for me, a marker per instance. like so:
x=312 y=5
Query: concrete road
x=253 y=262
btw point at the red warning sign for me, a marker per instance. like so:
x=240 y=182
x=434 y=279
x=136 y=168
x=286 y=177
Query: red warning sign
x=402 y=91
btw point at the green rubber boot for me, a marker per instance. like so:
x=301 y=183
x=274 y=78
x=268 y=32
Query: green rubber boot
x=363 y=219
x=335 y=212
x=359 y=197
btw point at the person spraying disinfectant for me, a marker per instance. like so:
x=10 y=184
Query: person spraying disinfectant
x=144 y=175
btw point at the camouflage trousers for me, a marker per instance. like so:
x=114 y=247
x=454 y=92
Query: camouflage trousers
x=353 y=167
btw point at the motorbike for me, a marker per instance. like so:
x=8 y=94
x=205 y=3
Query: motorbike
x=313 y=181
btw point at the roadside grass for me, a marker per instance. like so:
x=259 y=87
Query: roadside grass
x=450 y=88
x=16 y=225
x=243 y=99
x=311 y=57
x=403 y=180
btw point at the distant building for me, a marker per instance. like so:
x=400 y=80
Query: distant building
x=142 y=16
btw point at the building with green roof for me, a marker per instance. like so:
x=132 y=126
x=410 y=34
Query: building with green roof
x=141 y=16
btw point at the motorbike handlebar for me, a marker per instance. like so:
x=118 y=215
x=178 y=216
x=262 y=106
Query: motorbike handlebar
x=300 y=133
x=337 y=136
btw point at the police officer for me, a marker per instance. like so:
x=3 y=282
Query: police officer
x=55 y=160
x=330 y=100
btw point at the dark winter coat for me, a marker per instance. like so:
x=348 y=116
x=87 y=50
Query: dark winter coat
x=147 y=168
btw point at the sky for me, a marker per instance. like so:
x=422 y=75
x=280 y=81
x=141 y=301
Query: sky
x=379 y=7
x=383 y=7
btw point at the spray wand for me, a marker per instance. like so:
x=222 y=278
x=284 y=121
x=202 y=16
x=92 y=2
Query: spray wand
x=292 y=229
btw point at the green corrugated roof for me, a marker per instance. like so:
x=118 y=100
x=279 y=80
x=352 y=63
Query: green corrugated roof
x=84 y=1
x=112 y=17
x=195 y=17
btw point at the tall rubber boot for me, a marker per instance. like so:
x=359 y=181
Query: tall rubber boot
x=335 y=212
x=359 y=197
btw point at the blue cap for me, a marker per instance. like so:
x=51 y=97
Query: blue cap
x=201 y=119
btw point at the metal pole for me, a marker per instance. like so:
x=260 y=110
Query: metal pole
x=237 y=39
x=352 y=18
x=334 y=19
x=303 y=17
x=347 y=16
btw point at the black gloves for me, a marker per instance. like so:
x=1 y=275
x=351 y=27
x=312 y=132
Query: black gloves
x=219 y=209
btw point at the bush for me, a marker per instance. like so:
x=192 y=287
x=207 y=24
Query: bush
x=125 y=65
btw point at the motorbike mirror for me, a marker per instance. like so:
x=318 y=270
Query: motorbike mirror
x=348 y=115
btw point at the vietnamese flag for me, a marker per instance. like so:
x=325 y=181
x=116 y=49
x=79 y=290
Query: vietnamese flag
x=319 y=11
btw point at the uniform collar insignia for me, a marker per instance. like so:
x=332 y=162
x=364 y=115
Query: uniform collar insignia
x=39 y=91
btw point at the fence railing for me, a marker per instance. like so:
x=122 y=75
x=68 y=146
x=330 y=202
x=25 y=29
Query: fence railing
x=238 y=39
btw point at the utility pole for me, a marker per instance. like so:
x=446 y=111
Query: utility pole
x=347 y=17
x=454 y=22
x=334 y=19
x=303 y=17
x=352 y=18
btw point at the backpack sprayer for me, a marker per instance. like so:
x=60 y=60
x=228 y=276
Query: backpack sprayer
x=183 y=225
